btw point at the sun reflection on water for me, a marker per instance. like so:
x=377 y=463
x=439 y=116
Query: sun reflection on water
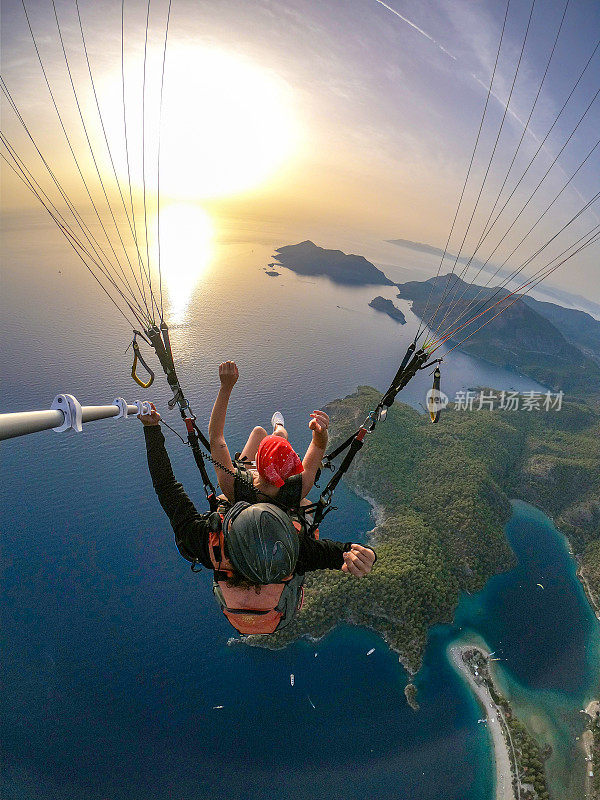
x=186 y=250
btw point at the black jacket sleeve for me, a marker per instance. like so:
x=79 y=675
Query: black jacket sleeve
x=320 y=554
x=190 y=527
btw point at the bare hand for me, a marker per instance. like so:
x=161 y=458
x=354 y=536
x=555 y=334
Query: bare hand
x=358 y=561
x=319 y=423
x=228 y=374
x=150 y=419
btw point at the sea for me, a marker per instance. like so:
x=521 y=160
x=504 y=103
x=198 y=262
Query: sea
x=121 y=679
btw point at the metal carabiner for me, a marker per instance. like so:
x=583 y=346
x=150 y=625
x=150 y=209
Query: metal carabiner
x=137 y=356
x=374 y=417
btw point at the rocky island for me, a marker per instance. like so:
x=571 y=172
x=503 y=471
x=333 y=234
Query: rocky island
x=387 y=307
x=306 y=258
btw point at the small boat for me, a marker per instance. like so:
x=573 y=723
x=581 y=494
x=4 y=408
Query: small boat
x=292 y=679
x=481 y=720
x=215 y=707
x=311 y=702
x=316 y=654
x=372 y=650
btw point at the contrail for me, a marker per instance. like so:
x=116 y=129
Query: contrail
x=503 y=104
x=475 y=78
x=416 y=27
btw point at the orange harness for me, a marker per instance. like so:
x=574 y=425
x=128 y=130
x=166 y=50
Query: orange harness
x=273 y=608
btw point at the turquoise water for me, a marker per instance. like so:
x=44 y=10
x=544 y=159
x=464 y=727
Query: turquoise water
x=548 y=639
x=114 y=654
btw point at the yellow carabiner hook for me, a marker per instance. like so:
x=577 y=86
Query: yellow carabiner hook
x=137 y=356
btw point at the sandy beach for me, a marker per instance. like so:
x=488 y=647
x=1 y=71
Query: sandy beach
x=587 y=744
x=504 y=787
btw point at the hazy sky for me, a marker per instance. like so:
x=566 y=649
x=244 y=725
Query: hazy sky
x=353 y=113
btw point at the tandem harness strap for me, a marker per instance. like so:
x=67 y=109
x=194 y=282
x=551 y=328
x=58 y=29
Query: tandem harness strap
x=159 y=338
x=413 y=361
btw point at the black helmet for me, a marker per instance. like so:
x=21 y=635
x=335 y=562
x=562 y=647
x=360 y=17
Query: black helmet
x=261 y=542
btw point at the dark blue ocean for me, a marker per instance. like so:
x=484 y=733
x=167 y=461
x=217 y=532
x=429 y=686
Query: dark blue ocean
x=114 y=654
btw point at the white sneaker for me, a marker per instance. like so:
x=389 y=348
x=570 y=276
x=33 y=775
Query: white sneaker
x=277 y=419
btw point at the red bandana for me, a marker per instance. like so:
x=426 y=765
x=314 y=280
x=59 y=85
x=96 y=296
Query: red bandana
x=276 y=460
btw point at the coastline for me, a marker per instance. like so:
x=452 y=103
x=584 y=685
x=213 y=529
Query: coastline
x=379 y=514
x=494 y=715
x=378 y=511
x=582 y=577
x=588 y=746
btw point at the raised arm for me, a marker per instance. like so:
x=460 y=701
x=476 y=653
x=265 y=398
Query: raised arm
x=311 y=462
x=228 y=375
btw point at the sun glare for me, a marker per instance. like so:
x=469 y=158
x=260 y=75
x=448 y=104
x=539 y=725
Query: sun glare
x=227 y=124
x=186 y=233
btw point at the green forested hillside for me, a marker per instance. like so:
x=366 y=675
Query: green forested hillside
x=527 y=336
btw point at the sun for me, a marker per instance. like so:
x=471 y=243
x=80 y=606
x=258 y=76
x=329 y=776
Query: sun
x=226 y=123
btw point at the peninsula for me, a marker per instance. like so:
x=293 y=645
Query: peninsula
x=438 y=538
x=519 y=759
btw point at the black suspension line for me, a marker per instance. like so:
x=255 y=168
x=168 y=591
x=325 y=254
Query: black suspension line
x=413 y=361
x=109 y=150
x=68 y=138
x=161 y=342
x=525 y=127
x=543 y=141
x=144 y=151
x=493 y=224
x=104 y=267
x=592 y=241
x=422 y=324
x=91 y=149
x=72 y=239
x=162 y=86
x=542 y=215
x=126 y=139
x=487 y=171
x=94 y=244
x=450 y=331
